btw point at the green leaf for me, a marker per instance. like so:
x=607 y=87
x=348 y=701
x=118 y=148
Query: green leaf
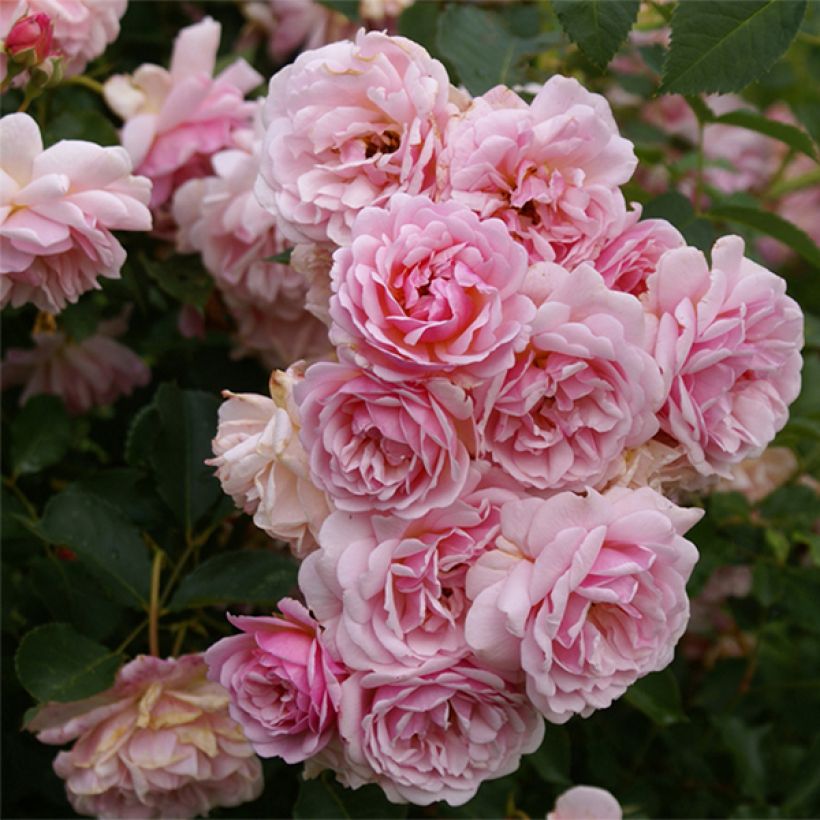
x=252 y=577
x=658 y=697
x=281 y=258
x=552 y=758
x=350 y=8
x=598 y=27
x=724 y=45
x=779 y=544
x=483 y=51
x=55 y=662
x=744 y=743
x=141 y=436
x=419 y=22
x=40 y=435
x=110 y=545
x=80 y=320
x=182 y=277
x=678 y=210
x=81 y=124
x=187 y=423
x=325 y=798
x=772 y=225
x=789 y=134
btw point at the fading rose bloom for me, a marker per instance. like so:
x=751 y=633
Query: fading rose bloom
x=551 y=170
x=91 y=373
x=297 y=24
x=58 y=208
x=584 y=594
x=350 y=125
x=314 y=262
x=390 y=593
x=82 y=28
x=661 y=465
x=377 y=446
x=583 y=390
x=284 y=685
x=758 y=477
x=280 y=332
x=428 y=289
x=586 y=803
x=627 y=260
x=261 y=464
x=175 y=120
x=159 y=743
x=434 y=735
x=728 y=343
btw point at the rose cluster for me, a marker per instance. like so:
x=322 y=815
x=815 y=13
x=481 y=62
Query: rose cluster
x=478 y=478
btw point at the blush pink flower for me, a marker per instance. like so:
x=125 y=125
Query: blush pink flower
x=586 y=803
x=551 y=170
x=437 y=734
x=82 y=28
x=159 y=743
x=390 y=593
x=377 y=446
x=582 y=391
x=758 y=477
x=313 y=262
x=629 y=258
x=284 y=685
x=584 y=594
x=428 y=289
x=350 y=125
x=728 y=343
x=175 y=120
x=58 y=208
x=261 y=464
x=90 y=373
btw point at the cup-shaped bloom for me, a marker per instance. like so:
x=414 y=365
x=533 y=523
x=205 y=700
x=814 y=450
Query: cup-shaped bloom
x=429 y=289
x=58 y=208
x=283 y=683
x=381 y=446
x=159 y=743
x=728 y=343
x=349 y=125
x=585 y=594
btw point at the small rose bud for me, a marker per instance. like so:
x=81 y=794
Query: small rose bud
x=30 y=39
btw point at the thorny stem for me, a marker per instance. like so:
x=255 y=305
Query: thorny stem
x=153 y=609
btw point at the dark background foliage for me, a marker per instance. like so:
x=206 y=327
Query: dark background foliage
x=90 y=502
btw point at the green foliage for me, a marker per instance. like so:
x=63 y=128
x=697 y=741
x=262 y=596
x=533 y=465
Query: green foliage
x=658 y=697
x=323 y=797
x=41 y=435
x=55 y=662
x=597 y=26
x=182 y=277
x=678 y=210
x=724 y=45
x=257 y=577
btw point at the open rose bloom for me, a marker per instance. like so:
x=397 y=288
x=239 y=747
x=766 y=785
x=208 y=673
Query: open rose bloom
x=159 y=743
x=58 y=208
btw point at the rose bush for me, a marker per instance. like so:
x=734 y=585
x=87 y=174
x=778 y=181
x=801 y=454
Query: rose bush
x=513 y=480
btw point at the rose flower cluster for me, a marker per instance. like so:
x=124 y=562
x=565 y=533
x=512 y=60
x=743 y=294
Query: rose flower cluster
x=477 y=470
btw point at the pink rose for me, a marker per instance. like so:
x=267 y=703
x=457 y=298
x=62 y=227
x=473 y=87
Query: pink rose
x=428 y=289
x=261 y=464
x=377 y=446
x=550 y=170
x=582 y=391
x=728 y=343
x=284 y=685
x=91 y=373
x=390 y=593
x=434 y=735
x=313 y=262
x=82 y=28
x=758 y=477
x=175 y=120
x=159 y=743
x=58 y=208
x=586 y=803
x=350 y=125
x=629 y=258
x=586 y=594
